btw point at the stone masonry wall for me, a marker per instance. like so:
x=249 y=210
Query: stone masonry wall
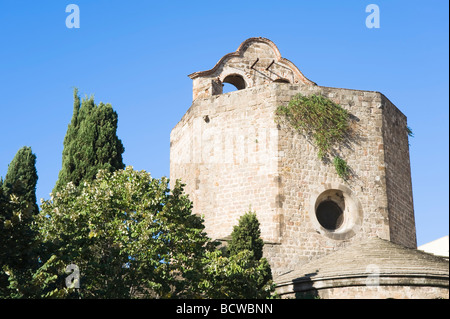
x=302 y=175
x=225 y=149
x=379 y=292
x=398 y=176
x=234 y=157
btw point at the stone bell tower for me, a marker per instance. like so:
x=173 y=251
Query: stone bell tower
x=233 y=157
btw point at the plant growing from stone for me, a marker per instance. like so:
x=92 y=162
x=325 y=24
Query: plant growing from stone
x=326 y=122
x=341 y=167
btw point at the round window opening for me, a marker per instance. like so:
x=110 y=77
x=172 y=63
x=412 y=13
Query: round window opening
x=335 y=212
x=329 y=215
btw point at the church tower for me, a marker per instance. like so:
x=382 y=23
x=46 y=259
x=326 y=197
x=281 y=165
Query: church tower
x=234 y=157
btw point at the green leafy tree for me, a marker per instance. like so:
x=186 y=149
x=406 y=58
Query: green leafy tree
x=247 y=235
x=21 y=177
x=133 y=237
x=243 y=272
x=237 y=276
x=129 y=234
x=91 y=143
x=18 y=245
x=4 y=216
x=45 y=282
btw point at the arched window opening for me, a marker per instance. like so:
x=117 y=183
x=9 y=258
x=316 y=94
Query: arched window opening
x=233 y=82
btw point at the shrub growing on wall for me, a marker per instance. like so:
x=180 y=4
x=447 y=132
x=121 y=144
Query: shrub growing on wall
x=326 y=122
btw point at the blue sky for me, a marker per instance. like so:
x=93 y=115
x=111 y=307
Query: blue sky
x=136 y=55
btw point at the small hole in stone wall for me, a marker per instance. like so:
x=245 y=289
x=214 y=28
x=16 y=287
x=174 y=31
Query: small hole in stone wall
x=280 y=80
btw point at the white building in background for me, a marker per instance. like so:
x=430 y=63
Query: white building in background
x=437 y=247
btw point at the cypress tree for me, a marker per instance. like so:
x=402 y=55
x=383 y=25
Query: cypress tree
x=17 y=209
x=247 y=235
x=91 y=143
x=21 y=178
x=68 y=164
x=4 y=291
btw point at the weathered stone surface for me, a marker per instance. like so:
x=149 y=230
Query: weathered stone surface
x=240 y=159
x=374 y=268
x=257 y=61
x=234 y=157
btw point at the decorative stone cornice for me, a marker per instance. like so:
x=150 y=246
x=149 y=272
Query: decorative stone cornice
x=239 y=52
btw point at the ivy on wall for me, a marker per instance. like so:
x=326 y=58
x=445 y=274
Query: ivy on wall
x=326 y=122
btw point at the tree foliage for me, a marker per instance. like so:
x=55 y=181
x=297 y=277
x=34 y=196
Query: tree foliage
x=247 y=235
x=129 y=235
x=242 y=272
x=21 y=177
x=236 y=276
x=18 y=206
x=91 y=143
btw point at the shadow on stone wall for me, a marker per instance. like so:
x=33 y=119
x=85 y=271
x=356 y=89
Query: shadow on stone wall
x=304 y=288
